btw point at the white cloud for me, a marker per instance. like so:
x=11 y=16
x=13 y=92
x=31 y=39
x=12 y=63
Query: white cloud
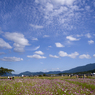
x=53 y=56
x=73 y=55
x=50 y=46
x=79 y=35
x=19 y=39
x=59 y=45
x=94 y=55
x=56 y=2
x=64 y=2
x=49 y=7
x=4 y=44
x=59 y=11
x=11 y=59
x=91 y=42
x=88 y=35
x=36 y=26
x=18 y=47
x=72 y=38
x=39 y=52
x=57 y=68
x=36 y=48
x=36 y=56
x=84 y=56
x=64 y=10
x=35 y=39
x=45 y=36
x=63 y=54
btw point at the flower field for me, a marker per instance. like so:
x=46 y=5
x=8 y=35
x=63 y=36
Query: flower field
x=56 y=86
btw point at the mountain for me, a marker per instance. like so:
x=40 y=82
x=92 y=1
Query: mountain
x=24 y=73
x=30 y=73
x=87 y=67
x=81 y=68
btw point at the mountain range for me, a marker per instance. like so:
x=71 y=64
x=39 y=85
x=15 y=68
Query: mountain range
x=87 y=67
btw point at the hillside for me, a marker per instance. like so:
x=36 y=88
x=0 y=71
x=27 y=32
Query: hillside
x=81 y=68
x=88 y=67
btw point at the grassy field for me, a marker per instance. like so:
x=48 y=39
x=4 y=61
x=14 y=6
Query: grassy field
x=47 y=86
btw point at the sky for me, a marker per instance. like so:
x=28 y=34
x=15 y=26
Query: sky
x=46 y=35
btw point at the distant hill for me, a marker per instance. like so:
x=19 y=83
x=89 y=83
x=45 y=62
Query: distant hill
x=86 y=72
x=30 y=73
x=81 y=68
x=87 y=67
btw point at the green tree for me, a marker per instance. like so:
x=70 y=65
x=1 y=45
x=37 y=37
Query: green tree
x=44 y=74
x=5 y=70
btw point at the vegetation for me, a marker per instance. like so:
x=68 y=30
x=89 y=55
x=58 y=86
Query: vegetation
x=47 y=86
x=85 y=72
x=5 y=70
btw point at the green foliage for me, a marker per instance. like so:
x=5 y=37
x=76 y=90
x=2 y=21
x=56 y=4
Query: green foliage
x=44 y=74
x=40 y=75
x=86 y=72
x=5 y=70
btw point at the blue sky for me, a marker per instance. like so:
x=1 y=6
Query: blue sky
x=46 y=35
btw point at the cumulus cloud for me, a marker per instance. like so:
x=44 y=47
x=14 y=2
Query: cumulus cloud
x=72 y=38
x=91 y=42
x=94 y=55
x=59 y=45
x=11 y=59
x=4 y=44
x=36 y=26
x=19 y=41
x=84 y=56
x=17 y=38
x=39 y=52
x=18 y=47
x=53 y=56
x=88 y=35
x=36 y=56
x=63 y=54
x=72 y=55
